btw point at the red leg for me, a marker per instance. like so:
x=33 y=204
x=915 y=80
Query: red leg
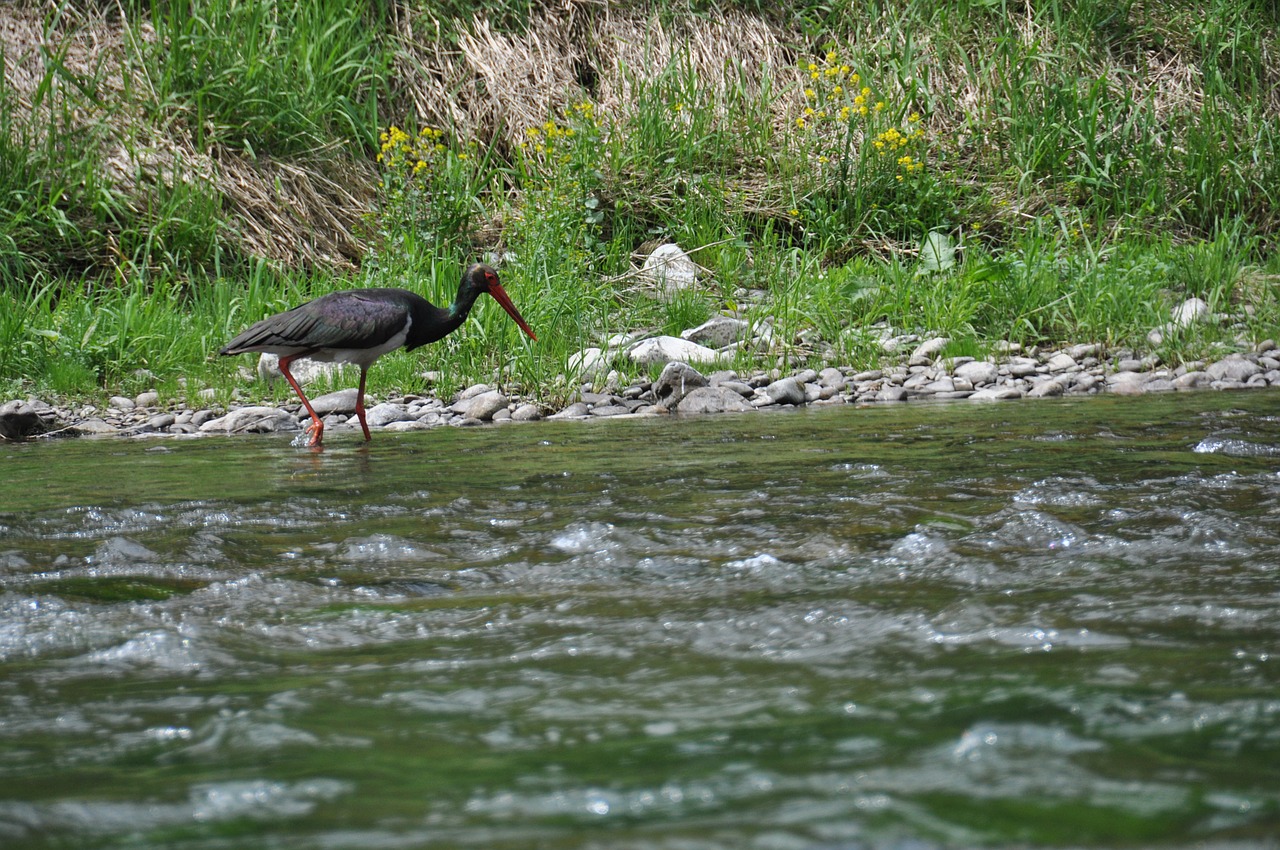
x=360 y=406
x=316 y=428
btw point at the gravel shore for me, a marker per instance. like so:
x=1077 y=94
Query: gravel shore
x=683 y=388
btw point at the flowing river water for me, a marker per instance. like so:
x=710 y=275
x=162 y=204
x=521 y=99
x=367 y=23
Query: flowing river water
x=910 y=626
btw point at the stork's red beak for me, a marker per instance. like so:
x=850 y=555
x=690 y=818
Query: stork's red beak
x=500 y=295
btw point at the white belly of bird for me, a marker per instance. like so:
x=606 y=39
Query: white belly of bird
x=363 y=357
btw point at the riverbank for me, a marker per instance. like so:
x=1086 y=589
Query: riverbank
x=176 y=173
x=681 y=389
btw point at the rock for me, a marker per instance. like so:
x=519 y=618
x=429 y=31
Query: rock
x=19 y=420
x=1127 y=388
x=784 y=391
x=1061 y=362
x=717 y=332
x=118 y=402
x=996 y=394
x=670 y=268
x=833 y=378
x=1192 y=380
x=382 y=415
x=162 y=420
x=891 y=394
x=304 y=371
x=1083 y=350
x=927 y=351
x=526 y=413
x=339 y=401
x=93 y=427
x=406 y=425
x=1046 y=389
x=473 y=391
x=712 y=400
x=577 y=410
x=252 y=420
x=677 y=379
x=665 y=349
x=147 y=399
x=1189 y=312
x=1021 y=367
x=1233 y=368
x=978 y=372
x=481 y=406
x=584 y=364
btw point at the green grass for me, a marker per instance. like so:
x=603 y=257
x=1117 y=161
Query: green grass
x=1093 y=163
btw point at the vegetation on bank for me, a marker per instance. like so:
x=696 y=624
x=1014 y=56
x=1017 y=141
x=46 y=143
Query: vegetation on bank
x=172 y=171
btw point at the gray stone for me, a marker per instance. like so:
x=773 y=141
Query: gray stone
x=1127 y=388
x=1083 y=350
x=1020 y=367
x=339 y=401
x=1046 y=389
x=481 y=406
x=1233 y=368
x=927 y=351
x=147 y=399
x=577 y=410
x=93 y=427
x=712 y=400
x=526 y=413
x=118 y=402
x=892 y=394
x=19 y=420
x=382 y=415
x=785 y=391
x=1192 y=380
x=252 y=420
x=717 y=332
x=996 y=394
x=978 y=372
x=677 y=380
x=162 y=420
x=833 y=377
x=1061 y=362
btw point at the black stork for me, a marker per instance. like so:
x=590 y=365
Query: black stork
x=360 y=325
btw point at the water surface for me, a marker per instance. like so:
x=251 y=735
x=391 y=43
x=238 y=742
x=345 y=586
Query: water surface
x=913 y=626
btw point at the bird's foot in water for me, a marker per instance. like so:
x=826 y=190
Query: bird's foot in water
x=309 y=436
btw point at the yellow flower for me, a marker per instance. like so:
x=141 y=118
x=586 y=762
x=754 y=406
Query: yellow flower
x=793 y=213
x=800 y=122
x=810 y=93
x=837 y=91
x=831 y=56
x=812 y=67
x=913 y=117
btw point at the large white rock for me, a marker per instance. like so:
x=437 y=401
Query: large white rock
x=665 y=349
x=303 y=370
x=670 y=268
